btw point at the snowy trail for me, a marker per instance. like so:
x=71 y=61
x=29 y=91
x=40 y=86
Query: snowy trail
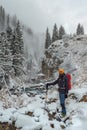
x=34 y=117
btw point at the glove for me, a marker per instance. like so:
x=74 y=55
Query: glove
x=66 y=95
x=47 y=86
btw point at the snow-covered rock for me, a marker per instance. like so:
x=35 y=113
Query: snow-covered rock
x=72 y=57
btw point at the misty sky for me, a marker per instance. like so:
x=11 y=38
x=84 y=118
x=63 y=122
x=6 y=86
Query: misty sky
x=40 y=14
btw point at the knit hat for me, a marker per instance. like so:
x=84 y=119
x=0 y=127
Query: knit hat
x=61 y=71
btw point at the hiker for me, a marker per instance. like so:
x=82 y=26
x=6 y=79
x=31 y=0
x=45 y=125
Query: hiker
x=62 y=82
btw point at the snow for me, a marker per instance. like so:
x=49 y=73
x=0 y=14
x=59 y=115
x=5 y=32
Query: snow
x=79 y=92
x=40 y=118
x=33 y=112
x=79 y=121
x=73 y=56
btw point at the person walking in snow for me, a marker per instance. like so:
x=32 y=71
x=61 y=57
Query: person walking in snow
x=62 y=82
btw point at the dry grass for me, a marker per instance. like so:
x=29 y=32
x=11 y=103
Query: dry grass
x=29 y=113
x=84 y=99
x=6 y=126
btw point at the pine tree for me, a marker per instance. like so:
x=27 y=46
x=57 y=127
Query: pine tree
x=1 y=60
x=48 y=39
x=8 y=20
x=17 y=41
x=8 y=56
x=55 y=33
x=2 y=48
x=1 y=14
x=19 y=37
x=80 y=29
x=2 y=18
x=61 y=32
x=5 y=54
x=17 y=48
x=9 y=35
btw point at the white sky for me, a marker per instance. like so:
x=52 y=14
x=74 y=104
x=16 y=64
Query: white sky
x=40 y=14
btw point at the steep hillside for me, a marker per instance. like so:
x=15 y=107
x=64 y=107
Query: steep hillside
x=69 y=53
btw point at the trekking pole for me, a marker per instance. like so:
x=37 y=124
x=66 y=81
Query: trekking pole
x=46 y=97
x=46 y=100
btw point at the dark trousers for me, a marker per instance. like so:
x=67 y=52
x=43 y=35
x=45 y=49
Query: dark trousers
x=62 y=102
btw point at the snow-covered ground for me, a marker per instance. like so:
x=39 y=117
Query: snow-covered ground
x=36 y=114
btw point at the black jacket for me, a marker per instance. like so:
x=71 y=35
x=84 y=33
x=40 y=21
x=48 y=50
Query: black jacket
x=62 y=82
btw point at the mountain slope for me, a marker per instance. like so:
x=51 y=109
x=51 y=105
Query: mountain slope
x=69 y=53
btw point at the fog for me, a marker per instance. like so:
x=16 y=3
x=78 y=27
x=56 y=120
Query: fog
x=40 y=14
